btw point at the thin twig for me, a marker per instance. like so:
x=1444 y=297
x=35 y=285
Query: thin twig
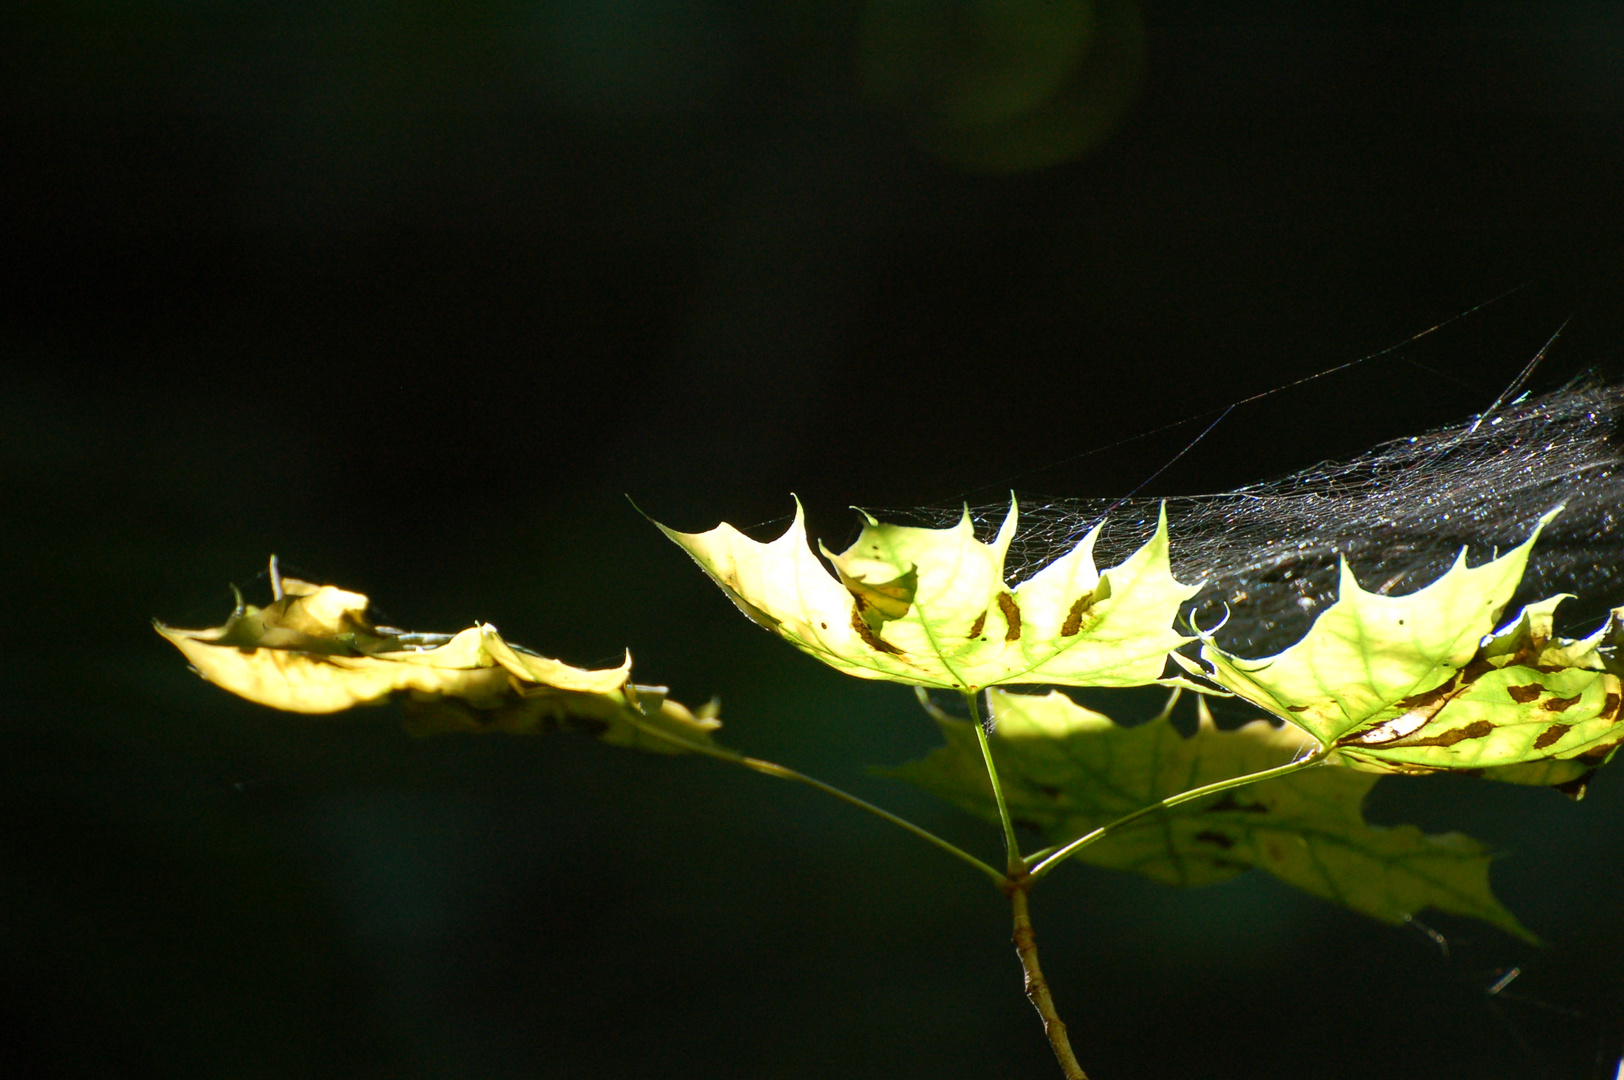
x=1037 y=988
x=1083 y=841
x=770 y=768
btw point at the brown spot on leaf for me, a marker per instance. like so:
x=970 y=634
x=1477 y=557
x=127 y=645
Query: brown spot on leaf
x=1012 y=616
x=870 y=638
x=1428 y=704
x=1522 y=695
x=1215 y=838
x=1561 y=704
x=1424 y=702
x=1598 y=755
x=886 y=599
x=1476 y=730
x=1609 y=707
x=1050 y=790
x=975 y=627
x=1074 y=618
x=1296 y=708
x=1551 y=735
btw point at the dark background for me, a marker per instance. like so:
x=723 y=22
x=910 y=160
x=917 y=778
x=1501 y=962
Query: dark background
x=414 y=294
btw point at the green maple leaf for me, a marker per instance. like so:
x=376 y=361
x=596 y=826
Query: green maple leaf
x=315 y=650
x=931 y=607
x=1067 y=770
x=1422 y=683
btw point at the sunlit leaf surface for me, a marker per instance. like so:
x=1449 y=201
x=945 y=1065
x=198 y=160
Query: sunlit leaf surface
x=931 y=607
x=1067 y=770
x=1423 y=683
x=315 y=650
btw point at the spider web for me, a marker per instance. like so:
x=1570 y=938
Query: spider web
x=1399 y=514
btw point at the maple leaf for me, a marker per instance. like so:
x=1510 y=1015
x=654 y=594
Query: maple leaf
x=1067 y=770
x=315 y=650
x=1423 y=683
x=931 y=607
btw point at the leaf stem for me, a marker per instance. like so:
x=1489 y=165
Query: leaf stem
x=1012 y=849
x=770 y=768
x=1037 y=987
x=1050 y=862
